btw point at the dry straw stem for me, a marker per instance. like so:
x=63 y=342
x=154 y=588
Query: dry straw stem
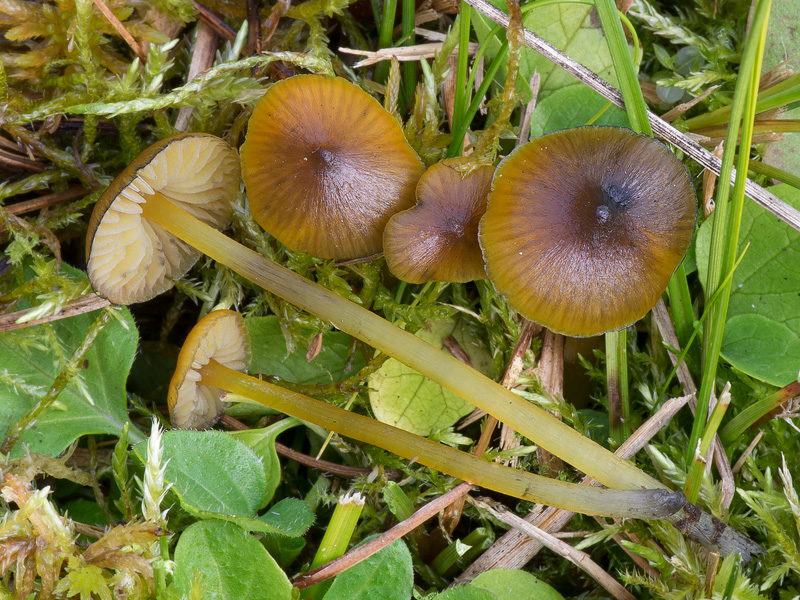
x=576 y=557
x=401 y=53
x=205 y=49
x=79 y=306
x=117 y=24
x=660 y=127
x=45 y=201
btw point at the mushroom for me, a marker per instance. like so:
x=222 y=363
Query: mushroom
x=128 y=259
x=157 y=211
x=221 y=334
x=209 y=363
x=585 y=227
x=325 y=166
x=437 y=240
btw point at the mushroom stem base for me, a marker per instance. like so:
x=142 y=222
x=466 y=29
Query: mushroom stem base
x=641 y=504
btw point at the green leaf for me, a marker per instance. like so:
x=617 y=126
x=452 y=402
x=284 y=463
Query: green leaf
x=762 y=348
x=782 y=41
x=765 y=285
x=290 y=516
x=512 y=583
x=571 y=107
x=571 y=28
x=93 y=402
x=386 y=575
x=232 y=564
x=262 y=442
x=466 y=592
x=270 y=357
x=283 y=549
x=402 y=397
x=211 y=473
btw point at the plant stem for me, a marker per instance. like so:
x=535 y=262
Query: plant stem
x=531 y=421
x=756 y=411
x=409 y=67
x=694 y=481
x=617 y=385
x=462 y=93
x=385 y=37
x=520 y=484
x=725 y=231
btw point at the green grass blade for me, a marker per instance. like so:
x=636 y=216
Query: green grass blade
x=727 y=221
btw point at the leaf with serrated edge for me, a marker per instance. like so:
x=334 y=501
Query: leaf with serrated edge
x=211 y=472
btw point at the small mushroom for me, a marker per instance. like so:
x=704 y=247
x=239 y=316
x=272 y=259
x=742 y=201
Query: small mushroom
x=132 y=260
x=220 y=335
x=585 y=227
x=325 y=166
x=213 y=367
x=437 y=240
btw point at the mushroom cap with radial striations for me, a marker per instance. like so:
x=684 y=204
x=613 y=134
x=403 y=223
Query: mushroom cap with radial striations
x=220 y=335
x=584 y=227
x=437 y=240
x=132 y=260
x=325 y=166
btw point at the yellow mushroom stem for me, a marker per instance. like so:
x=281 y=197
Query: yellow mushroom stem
x=532 y=422
x=641 y=504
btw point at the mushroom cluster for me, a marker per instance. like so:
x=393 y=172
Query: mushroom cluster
x=145 y=222
x=584 y=227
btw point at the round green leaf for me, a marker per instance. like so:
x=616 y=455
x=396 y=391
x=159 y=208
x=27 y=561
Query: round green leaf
x=232 y=565
x=386 y=575
x=512 y=583
x=211 y=472
x=765 y=285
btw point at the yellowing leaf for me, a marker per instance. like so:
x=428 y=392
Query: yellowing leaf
x=402 y=397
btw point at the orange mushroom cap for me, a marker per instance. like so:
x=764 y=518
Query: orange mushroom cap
x=437 y=240
x=325 y=166
x=132 y=260
x=584 y=227
x=220 y=335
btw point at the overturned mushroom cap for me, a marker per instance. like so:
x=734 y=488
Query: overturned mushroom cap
x=584 y=227
x=437 y=240
x=325 y=166
x=131 y=260
x=220 y=335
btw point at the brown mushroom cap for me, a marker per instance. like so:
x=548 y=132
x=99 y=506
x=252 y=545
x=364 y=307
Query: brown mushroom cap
x=437 y=240
x=131 y=260
x=585 y=227
x=220 y=335
x=325 y=166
